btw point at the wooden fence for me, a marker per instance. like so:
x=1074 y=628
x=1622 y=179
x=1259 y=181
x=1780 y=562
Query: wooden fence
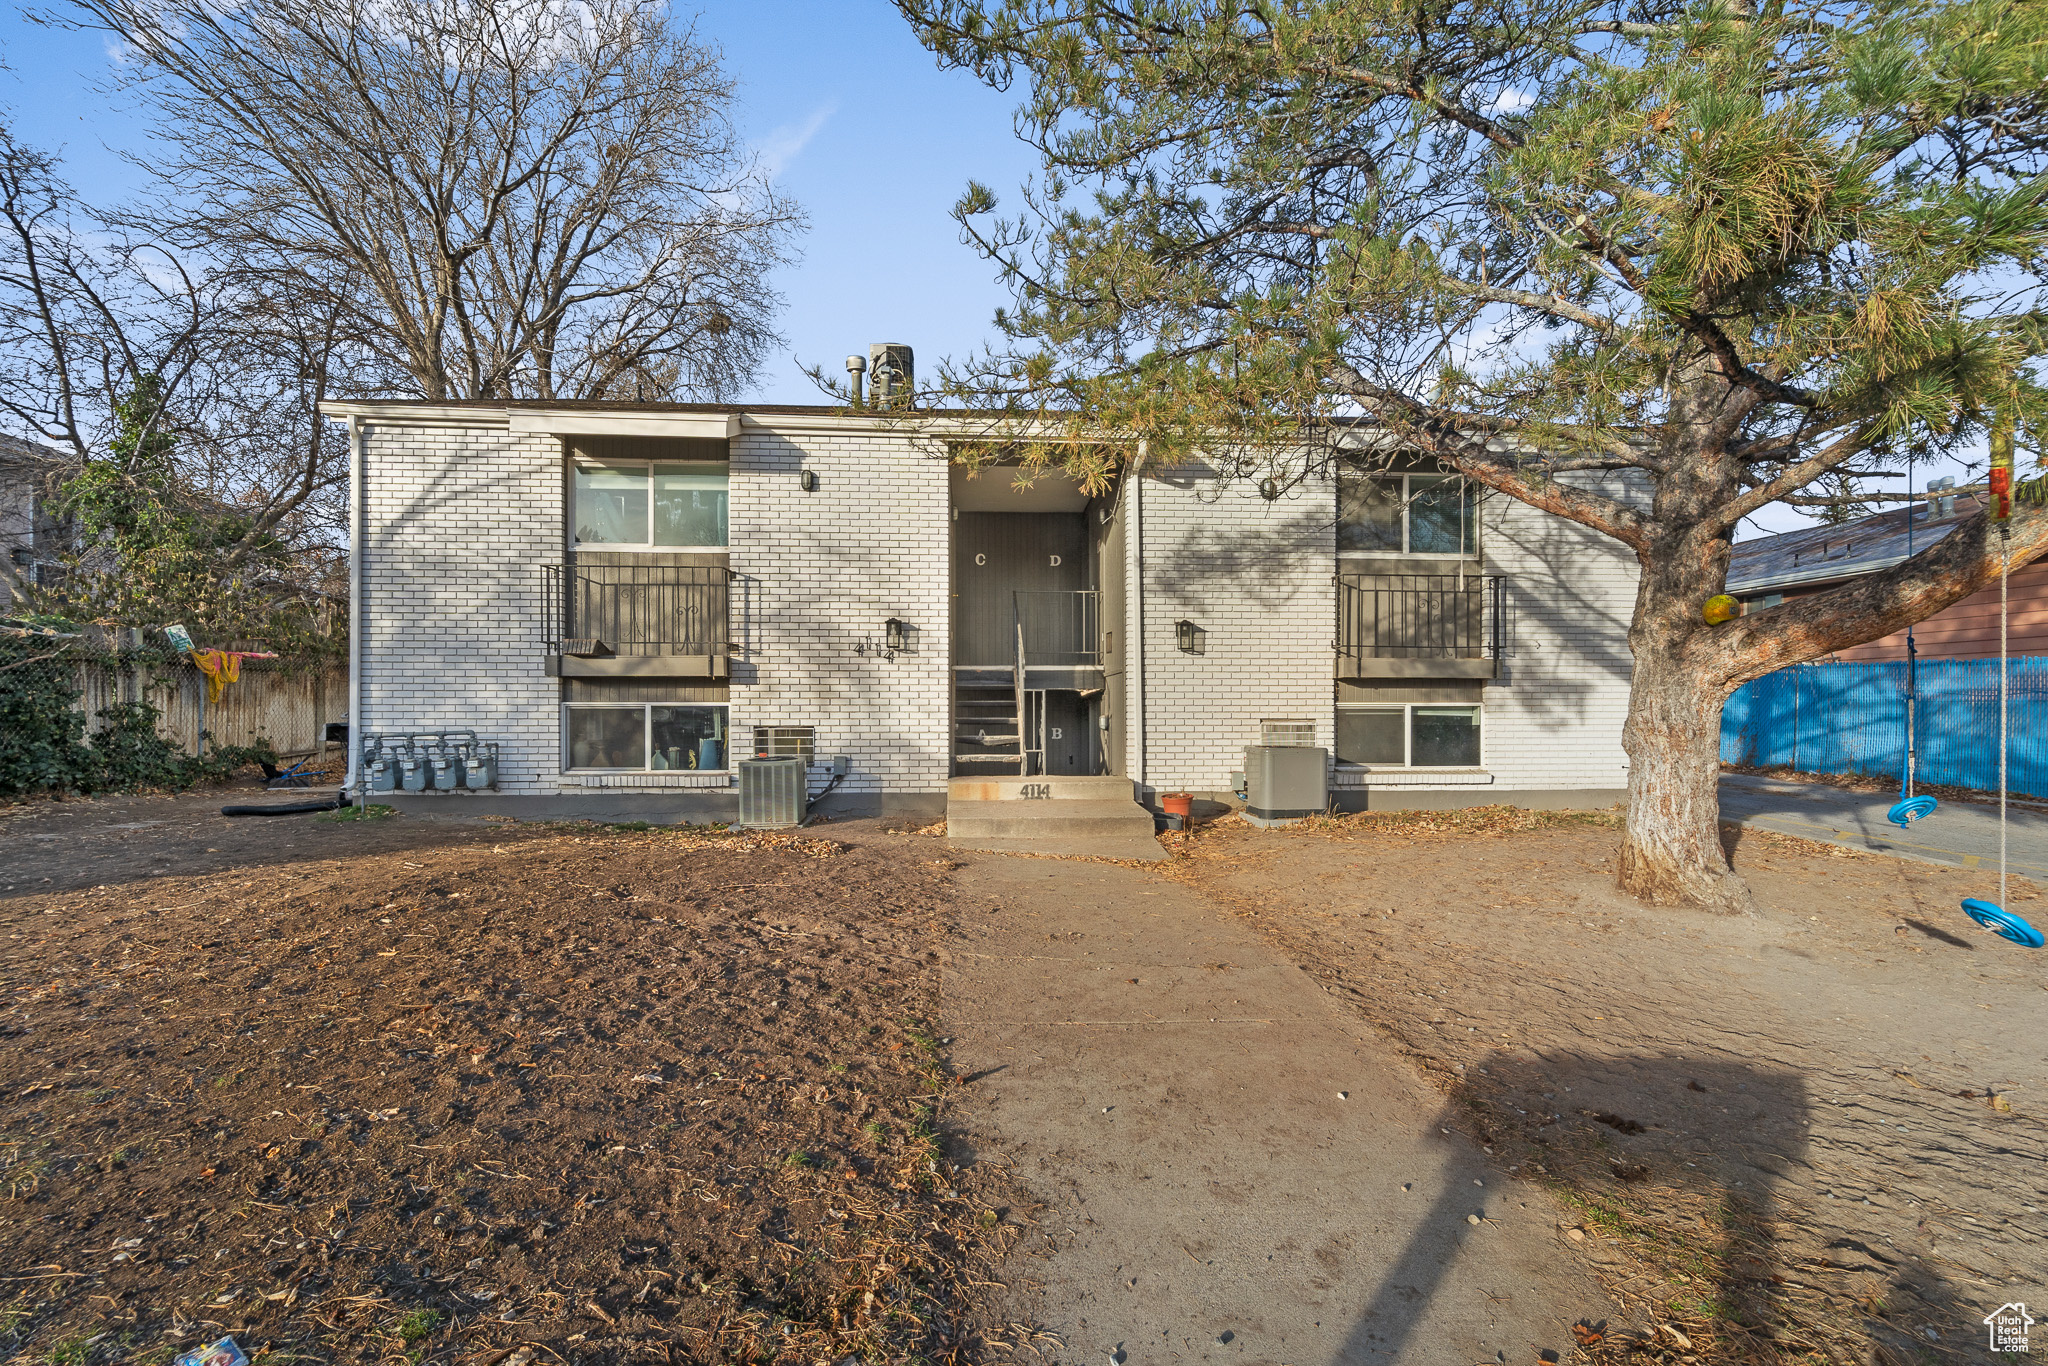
x=288 y=706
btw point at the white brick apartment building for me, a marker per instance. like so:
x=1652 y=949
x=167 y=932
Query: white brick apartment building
x=627 y=597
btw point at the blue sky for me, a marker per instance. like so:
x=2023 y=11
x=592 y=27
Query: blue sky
x=856 y=118
x=860 y=124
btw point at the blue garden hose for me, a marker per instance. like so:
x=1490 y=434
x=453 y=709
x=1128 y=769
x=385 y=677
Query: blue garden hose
x=1911 y=809
x=2003 y=923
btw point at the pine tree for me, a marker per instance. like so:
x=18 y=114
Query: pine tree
x=1650 y=267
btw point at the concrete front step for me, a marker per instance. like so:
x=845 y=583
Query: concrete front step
x=1128 y=848
x=1051 y=787
x=1055 y=819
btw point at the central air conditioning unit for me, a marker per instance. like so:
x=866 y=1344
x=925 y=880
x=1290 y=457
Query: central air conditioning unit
x=773 y=792
x=1285 y=783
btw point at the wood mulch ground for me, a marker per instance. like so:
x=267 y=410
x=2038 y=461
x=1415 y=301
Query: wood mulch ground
x=406 y=1090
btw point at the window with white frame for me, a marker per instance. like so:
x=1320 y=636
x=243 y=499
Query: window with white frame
x=651 y=504
x=644 y=737
x=1418 y=511
x=1413 y=735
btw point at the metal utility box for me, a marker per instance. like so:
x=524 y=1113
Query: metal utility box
x=773 y=792
x=1285 y=783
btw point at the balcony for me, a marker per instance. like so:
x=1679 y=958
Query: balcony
x=636 y=621
x=1419 y=626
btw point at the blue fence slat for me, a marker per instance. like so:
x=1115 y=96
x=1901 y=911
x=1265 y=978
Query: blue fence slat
x=1851 y=718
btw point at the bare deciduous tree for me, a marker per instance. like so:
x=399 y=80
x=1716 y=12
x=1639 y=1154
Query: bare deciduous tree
x=510 y=198
x=172 y=381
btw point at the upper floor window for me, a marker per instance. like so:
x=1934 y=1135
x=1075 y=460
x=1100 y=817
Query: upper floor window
x=651 y=504
x=1412 y=511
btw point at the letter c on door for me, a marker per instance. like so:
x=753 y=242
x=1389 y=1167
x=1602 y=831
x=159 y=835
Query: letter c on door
x=981 y=559
x=1055 y=561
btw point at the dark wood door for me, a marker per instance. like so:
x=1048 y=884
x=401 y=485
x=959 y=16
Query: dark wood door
x=996 y=554
x=1067 y=741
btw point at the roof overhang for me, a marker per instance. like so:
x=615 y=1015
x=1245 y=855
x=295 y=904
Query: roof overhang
x=626 y=420
x=1820 y=576
x=542 y=421
x=546 y=422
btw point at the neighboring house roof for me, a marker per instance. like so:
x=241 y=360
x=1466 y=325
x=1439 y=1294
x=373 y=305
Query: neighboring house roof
x=15 y=451
x=1832 y=554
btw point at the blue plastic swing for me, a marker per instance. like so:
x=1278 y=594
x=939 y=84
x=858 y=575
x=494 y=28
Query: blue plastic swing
x=1990 y=914
x=2004 y=923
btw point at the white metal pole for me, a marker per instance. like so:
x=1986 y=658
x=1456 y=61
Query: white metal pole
x=1134 y=481
x=358 y=472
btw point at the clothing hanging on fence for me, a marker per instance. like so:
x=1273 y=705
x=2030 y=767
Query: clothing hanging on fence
x=223 y=667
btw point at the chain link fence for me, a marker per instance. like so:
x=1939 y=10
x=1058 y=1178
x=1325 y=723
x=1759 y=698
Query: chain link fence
x=80 y=714
x=1851 y=718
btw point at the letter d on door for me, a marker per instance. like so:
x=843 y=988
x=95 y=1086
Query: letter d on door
x=1055 y=561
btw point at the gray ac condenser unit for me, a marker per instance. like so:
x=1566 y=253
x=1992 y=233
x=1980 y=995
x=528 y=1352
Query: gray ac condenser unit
x=773 y=792
x=1285 y=783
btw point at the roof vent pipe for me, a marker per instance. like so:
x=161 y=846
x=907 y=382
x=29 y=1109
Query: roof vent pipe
x=855 y=367
x=894 y=373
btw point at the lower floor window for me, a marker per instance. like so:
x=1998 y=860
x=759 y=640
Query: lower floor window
x=1413 y=736
x=645 y=736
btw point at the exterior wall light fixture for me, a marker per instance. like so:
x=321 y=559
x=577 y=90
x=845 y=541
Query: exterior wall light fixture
x=807 y=480
x=1191 y=639
x=898 y=637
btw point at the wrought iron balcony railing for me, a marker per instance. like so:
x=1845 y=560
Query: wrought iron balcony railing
x=635 y=610
x=1419 y=617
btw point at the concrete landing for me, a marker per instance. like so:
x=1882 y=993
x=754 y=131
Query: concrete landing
x=1095 y=817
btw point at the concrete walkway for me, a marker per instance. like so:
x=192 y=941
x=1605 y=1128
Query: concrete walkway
x=1964 y=834
x=1234 y=1170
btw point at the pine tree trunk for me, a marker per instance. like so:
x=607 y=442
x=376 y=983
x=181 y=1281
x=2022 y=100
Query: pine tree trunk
x=1673 y=854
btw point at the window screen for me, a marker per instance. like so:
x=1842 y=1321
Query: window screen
x=607 y=737
x=1372 y=735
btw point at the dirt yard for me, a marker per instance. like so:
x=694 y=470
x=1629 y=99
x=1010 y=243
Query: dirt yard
x=1814 y=1135
x=408 y=1089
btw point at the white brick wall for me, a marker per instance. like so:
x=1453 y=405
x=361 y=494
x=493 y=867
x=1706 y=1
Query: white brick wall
x=461 y=519
x=459 y=522
x=1256 y=576
x=824 y=570
x=1554 y=716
